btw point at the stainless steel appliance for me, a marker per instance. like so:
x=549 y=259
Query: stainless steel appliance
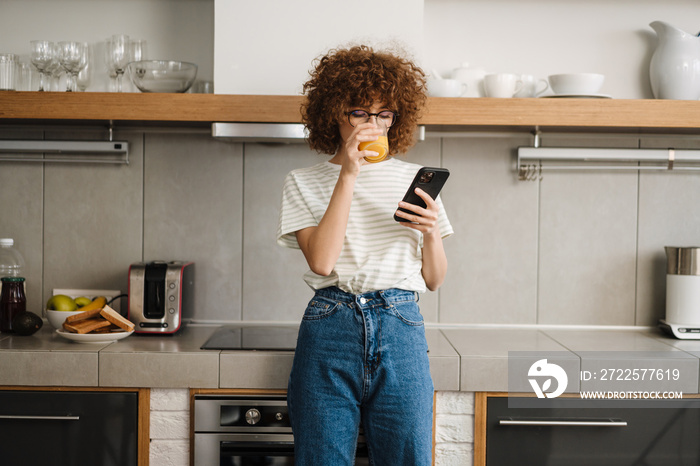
x=161 y=295
x=246 y=430
x=682 y=292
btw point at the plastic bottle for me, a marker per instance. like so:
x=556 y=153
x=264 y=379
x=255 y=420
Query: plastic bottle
x=11 y=261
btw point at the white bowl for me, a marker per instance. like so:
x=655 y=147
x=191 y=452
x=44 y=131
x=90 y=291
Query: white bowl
x=445 y=87
x=576 y=83
x=56 y=318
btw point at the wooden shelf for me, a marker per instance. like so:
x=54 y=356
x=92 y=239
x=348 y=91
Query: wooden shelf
x=441 y=113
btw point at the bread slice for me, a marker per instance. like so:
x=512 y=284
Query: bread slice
x=83 y=316
x=114 y=317
x=85 y=326
x=111 y=328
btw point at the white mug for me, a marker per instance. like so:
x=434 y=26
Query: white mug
x=502 y=85
x=472 y=77
x=446 y=88
x=531 y=86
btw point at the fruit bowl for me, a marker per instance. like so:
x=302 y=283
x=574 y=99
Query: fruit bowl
x=162 y=75
x=56 y=318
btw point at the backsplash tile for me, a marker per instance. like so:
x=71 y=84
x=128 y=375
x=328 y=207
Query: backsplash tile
x=588 y=225
x=22 y=194
x=193 y=190
x=588 y=221
x=92 y=219
x=668 y=216
x=492 y=276
x=273 y=288
x=573 y=248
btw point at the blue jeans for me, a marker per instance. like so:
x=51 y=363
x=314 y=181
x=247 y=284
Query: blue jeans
x=361 y=360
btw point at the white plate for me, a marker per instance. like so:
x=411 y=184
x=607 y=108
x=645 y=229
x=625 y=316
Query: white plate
x=93 y=337
x=578 y=96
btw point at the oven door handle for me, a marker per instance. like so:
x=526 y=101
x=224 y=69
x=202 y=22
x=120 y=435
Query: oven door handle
x=564 y=423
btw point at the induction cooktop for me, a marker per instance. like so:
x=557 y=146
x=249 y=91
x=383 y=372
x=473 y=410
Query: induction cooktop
x=264 y=337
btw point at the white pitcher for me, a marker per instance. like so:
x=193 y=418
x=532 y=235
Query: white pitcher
x=674 y=70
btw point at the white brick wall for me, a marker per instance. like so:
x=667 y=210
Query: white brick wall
x=454 y=429
x=170 y=428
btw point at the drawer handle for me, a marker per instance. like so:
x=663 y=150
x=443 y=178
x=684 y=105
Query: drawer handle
x=541 y=422
x=41 y=418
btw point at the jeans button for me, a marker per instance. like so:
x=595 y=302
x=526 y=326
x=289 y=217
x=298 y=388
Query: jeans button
x=363 y=301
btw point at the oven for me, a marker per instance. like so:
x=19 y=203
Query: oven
x=238 y=430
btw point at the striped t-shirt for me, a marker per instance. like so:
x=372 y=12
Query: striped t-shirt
x=378 y=253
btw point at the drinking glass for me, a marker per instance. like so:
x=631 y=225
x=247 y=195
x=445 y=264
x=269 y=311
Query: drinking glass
x=85 y=75
x=137 y=49
x=119 y=54
x=42 y=57
x=54 y=71
x=72 y=57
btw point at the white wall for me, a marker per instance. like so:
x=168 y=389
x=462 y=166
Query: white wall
x=539 y=37
x=543 y=37
x=267 y=46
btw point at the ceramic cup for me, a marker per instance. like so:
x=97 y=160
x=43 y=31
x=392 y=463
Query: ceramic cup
x=502 y=85
x=532 y=87
x=576 y=83
x=472 y=77
x=446 y=88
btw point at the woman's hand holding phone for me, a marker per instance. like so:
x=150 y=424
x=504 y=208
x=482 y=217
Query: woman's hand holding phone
x=423 y=219
x=418 y=208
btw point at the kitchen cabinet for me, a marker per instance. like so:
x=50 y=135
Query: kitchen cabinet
x=441 y=114
x=74 y=427
x=568 y=431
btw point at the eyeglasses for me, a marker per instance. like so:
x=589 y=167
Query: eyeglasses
x=356 y=117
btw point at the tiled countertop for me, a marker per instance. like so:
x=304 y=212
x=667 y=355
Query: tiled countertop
x=461 y=358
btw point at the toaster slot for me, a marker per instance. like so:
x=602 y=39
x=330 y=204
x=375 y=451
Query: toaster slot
x=154 y=291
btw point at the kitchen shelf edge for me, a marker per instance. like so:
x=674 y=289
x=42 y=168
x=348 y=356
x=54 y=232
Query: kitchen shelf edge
x=479 y=113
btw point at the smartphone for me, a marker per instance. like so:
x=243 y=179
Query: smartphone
x=429 y=179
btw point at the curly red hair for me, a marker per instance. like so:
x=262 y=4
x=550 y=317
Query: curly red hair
x=359 y=77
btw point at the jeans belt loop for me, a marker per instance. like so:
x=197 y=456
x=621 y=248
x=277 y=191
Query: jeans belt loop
x=381 y=293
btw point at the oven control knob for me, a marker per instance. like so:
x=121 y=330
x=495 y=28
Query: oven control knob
x=252 y=416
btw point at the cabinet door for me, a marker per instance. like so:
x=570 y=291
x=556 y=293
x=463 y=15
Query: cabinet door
x=68 y=428
x=568 y=433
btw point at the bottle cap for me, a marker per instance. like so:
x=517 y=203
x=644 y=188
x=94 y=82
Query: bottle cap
x=12 y=279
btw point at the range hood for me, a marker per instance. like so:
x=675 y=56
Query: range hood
x=283 y=133
x=286 y=133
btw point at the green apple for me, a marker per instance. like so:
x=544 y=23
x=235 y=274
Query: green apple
x=82 y=301
x=61 y=302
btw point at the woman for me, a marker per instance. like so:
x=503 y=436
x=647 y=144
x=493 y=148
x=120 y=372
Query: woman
x=361 y=356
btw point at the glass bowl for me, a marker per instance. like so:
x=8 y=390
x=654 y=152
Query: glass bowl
x=162 y=75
